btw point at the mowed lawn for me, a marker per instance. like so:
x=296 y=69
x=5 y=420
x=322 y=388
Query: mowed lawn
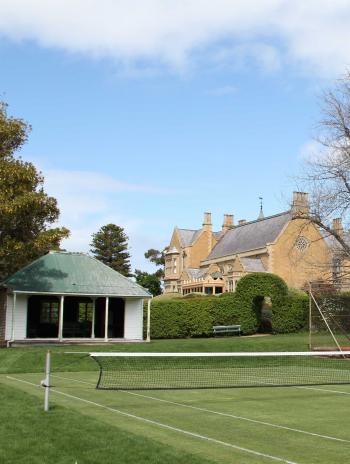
x=242 y=425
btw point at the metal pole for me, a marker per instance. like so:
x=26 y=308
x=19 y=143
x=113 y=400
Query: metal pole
x=325 y=321
x=148 y=338
x=46 y=383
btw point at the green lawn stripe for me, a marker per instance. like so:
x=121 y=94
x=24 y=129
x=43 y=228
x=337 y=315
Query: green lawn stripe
x=162 y=425
x=233 y=416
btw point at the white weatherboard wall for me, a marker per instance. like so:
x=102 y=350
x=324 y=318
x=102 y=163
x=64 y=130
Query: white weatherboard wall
x=133 y=319
x=19 y=317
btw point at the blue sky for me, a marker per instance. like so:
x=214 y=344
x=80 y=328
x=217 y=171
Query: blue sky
x=148 y=114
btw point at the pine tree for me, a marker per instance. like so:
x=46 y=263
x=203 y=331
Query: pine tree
x=110 y=245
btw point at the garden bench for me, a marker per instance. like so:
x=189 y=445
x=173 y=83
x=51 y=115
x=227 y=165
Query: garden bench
x=226 y=329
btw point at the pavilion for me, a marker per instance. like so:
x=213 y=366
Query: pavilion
x=70 y=297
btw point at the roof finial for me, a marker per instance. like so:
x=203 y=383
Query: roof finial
x=261 y=214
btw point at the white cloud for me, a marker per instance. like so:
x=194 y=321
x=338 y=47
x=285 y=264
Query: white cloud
x=312 y=151
x=93 y=181
x=309 y=150
x=313 y=34
x=88 y=200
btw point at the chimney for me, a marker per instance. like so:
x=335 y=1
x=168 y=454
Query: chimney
x=228 y=222
x=338 y=226
x=207 y=225
x=300 y=205
x=241 y=222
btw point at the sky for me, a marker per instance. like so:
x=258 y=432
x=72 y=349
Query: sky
x=146 y=114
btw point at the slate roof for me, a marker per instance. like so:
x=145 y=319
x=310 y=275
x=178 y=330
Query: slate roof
x=252 y=264
x=250 y=236
x=73 y=273
x=188 y=236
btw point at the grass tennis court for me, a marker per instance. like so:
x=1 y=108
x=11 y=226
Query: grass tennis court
x=302 y=425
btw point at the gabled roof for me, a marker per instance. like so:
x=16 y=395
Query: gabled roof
x=188 y=236
x=73 y=273
x=250 y=236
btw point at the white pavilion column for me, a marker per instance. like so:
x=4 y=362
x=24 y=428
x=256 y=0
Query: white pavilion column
x=148 y=337
x=106 y=318
x=93 y=318
x=13 y=316
x=60 y=318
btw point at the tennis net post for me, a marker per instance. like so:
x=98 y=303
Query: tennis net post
x=46 y=382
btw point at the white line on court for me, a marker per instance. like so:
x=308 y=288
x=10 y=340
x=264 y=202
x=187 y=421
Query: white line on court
x=233 y=416
x=326 y=390
x=165 y=426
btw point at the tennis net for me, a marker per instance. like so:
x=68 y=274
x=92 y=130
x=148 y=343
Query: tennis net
x=144 y=371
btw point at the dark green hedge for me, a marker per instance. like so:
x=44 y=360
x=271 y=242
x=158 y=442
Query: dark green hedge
x=292 y=315
x=250 y=292
x=192 y=317
x=195 y=317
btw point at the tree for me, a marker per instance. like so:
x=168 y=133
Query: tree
x=327 y=174
x=149 y=281
x=110 y=245
x=25 y=209
x=155 y=256
x=158 y=258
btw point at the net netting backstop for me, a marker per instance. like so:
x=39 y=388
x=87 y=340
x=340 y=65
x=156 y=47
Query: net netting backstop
x=144 y=371
x=329 y=317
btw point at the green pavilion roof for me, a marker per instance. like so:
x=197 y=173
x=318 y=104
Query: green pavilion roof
x=73 y=273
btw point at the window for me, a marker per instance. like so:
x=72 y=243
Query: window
x=85 y=312
x=49 y=312
x=231 y=285
x=301 y=243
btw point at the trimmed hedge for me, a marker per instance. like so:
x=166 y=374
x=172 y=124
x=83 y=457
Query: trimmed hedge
x=196 y=316
x=251 y=290
x=193 y=317
x=292 y=316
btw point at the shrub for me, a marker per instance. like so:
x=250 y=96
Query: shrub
x=195 y=315
x=292 y=315
x=167 y=296
x=195 y=295
x=167 y=319
x=250 y=291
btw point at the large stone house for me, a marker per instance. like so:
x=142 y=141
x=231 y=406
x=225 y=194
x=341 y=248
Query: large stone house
x=212 y=262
